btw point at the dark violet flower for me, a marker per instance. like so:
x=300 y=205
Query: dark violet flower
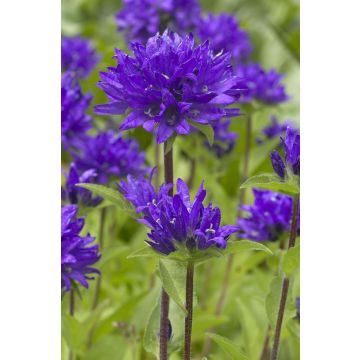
x=167 y=83
x=74 y=194
x=224 y=140
x=261 y=85
x=224 y=34
x=274 y=129
x=77 y=256
x=291 y=146
x=110 y=155
x=142 y=19
x=78 y=55
x=74 y=120
x=184 y=225
x=269 y=216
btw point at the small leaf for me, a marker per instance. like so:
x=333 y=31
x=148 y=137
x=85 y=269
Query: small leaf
x=72 y=332
x=169 y=143
x=291 y=260
x=245 y=245
x=272 y=182
x=207 y=130
x=111 y=195
x=145 y=252
x=228 y=346
x=173 y=278
x=273 y=300
x=150 y=340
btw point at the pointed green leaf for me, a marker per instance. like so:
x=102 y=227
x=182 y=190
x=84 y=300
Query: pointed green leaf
x=150 y=340
x=291 y=261
x=228 y=346
x=245 y=245
x=207 y=130
x=169 y=143
x=273 y=300
x=72 y=332
x=145 y=252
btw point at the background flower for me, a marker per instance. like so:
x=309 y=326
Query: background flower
x=273 y=130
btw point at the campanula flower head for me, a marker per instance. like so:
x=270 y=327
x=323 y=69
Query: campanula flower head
x=77 y=255
x=260 y=85
x=269 y=217
x=291 y=146
x=73 y=194
x=274 y=129
x=74 y=104
x=169 y=84
x=142 y=19
x=78 y=55
x=111 y=156
x=224 y=34
x=183 y=225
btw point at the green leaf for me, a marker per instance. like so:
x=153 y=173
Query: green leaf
x=72 y=332
x=272 y=182
x=111 y=195
x=273 y=300
x=173 y=277
x=228 y=346
x=150 y=340
x=207 y=130
x=145 y=252
x=291 y=261
x=245 y=245
x=169 y=143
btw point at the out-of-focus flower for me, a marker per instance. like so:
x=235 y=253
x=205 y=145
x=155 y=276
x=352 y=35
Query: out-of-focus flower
x=78 y=55
x=291 y=146
x=110 y=155
x=77 y=257
x=224 y=34
x=189 y=226
x=269 y=217
x=273 y=130
x=142 y=19
x=167 y=83
x=75 y=194
x=74 y=120
x=297 y=304
x=261 y=85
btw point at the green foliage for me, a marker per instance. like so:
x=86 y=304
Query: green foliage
x=207 y=130
x=228 y=347
x=291 y=261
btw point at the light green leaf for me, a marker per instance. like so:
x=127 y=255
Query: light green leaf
x=273 y=300
x=207 y=130
x=150 y=340
x=291 y=260
x=245 y=245
x=272 y=182
x=173 y=278
x=72 y=332
x=145 y=252
x=169 y=143
x=228 y=346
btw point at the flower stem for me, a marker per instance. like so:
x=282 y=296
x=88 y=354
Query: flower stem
x=189 y=308
x=164 y=306
x=157 y=164
x=265 y=350
x=285 y=284
x=101 y=247
x=71 y=312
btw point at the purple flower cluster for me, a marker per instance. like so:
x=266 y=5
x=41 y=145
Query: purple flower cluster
x=261 y=85
x=78 y=56
x=176 y=222
x=77 y=257
x=109 y=155
x=224 y=34
x=167 y=83
x=142 y=19
x=273 y=130
x=291 y=146
x=74 y=120
x=269 y=216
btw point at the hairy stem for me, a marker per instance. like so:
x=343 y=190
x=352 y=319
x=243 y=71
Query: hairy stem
x=71 y=312
x=285 y=284
x=157 y=164
x=164 y=307
x=189 y=309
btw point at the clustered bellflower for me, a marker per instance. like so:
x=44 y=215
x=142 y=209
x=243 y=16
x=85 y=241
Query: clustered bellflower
x=110 y=155
x=274 y=129
x=291 y=146
x=78 y=55
x=177 y=223
x=168 y=83
x=142 y=19
x=269 y=217
x=74 y=120
x=77 y=255
x=225 y=34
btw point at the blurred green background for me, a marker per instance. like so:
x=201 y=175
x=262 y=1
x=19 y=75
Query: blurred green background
x=116 y=329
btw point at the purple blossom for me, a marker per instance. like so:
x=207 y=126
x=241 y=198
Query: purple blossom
x=269 y=216
x=74 y=194
x=291 y=146
x=76 y=254
x=224 y=34
x=167 y=83
x=78 y=55
x=261 y=85
x=182 y=224
x=110 y=155
x=142 y=19
x=273 y=130
x=74 y=120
